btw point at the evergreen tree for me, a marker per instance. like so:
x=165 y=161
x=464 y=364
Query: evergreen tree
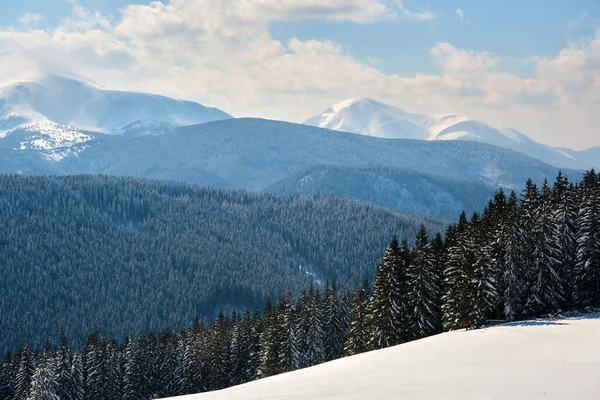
x=588 y=243
x=336 y=328
x=457 y=280
x=484 y=274
x=7 y=378
x=424 y=293
x=514 y=278
x=44 y=383
x=358 y=331
x=564 y=204
x=288 y=332
x=545 y=293
x=269 y=343
x=315 y=335
x=25 y=367
x=389 y=320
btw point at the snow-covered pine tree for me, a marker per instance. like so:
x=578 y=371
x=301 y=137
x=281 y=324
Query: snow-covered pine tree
x=254 y=346
x=181 y=375
x=64 y=362
x=528 y=239
x=484 y=281
x=336 y=329
x=358 y=330
x=424 y=293
x=241 y=348
x=457 y=295
x=315 y=335
x=514 y=277
x=564 y=204
x=439 y=255
x=7 y=377
x=77 y=371
x=545 y=292
x=269 y=343
x=112 y=372
x=587 y=278
x=132 y=379
x=497 y=236
x=219 y=352
x=44 y=383
x=25 y=367
x=388 y=308
x=289 y=355
x=197 y=338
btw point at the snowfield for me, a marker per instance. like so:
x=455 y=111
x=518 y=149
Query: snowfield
x=541 y=359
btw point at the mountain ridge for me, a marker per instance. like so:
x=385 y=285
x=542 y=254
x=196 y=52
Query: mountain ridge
x=373 y=118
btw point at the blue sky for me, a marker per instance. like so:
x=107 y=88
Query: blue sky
x=532 y=65
x=511 y=28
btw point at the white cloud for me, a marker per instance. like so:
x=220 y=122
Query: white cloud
x=222 y=54
x=422 y=16
x=32 y=18
x=461 y=14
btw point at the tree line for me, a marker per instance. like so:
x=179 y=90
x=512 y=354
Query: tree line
x=521 y=258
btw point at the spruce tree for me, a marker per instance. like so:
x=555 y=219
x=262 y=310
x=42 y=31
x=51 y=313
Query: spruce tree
x=358 y=331
x=288 y=328
x=424 y=293
x=336 y=329
x=315 y=334
x=564 y=204
x=484 y=274
x=545 y=293
x=7 y=377
x=44 y=382
x=588 y=243
x=514 y=278
x=457 y=298
x=25 y=367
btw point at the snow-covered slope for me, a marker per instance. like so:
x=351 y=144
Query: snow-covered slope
x=543 y=359
x=372 y=118
x=63 y=102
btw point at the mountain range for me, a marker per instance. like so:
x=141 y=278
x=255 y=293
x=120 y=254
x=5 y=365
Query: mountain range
x=62 y=126
x=372 y=118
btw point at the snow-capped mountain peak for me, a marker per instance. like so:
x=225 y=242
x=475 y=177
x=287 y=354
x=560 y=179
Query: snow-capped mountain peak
x=69 y=102
x=372 y=118
x=56 y=115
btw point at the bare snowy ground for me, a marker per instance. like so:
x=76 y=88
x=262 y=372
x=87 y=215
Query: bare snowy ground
x=543 y=359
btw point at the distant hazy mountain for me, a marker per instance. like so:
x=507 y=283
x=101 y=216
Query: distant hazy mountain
x=372 y=118
x=399 y=189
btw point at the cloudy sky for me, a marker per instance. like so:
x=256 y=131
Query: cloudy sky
x=531 y=65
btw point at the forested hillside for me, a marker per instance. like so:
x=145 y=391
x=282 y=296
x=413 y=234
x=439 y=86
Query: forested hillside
x=523 y=257
x=399 y=189
x=121 y=255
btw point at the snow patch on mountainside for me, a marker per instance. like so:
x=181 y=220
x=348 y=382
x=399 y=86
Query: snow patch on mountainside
x=546 y=359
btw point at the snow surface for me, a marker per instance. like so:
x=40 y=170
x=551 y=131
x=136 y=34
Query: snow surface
x=541 y=359
x=372 y=118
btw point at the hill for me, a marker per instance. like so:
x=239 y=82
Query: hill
x=121 y=255
x=549 y=359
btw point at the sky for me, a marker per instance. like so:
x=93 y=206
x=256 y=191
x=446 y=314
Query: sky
x=530 y=65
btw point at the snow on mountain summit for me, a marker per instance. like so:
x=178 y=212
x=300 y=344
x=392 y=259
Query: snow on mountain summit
x=372 y=118
x=69 y=102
